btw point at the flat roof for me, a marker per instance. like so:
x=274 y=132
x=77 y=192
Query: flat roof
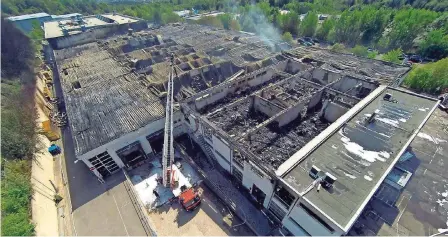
x=423 y=203
x=120 y=19
x=52 y=29
x=28 y=17
x=360 y=154
x=104 y=100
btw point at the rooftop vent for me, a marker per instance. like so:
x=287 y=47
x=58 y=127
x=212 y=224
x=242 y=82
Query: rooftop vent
x=387 y=97
x=76 y=85
x=329 y=180
x=314 y=172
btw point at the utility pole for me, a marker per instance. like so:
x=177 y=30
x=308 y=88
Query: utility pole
x=168 y=150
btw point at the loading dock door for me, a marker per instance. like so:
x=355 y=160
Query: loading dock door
x=156 y=141
x=104 y=164
x=258 y=194
x=132 y=154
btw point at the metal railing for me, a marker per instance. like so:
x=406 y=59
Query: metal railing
x=139 y=207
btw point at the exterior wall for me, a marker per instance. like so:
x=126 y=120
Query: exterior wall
x=263 y=183
x=324 y=76
x=315 y=100
x=290 y=115
x=333 y=111
x=139 y=135
x=348 y=83
x=27 y=24
x=308 y=223
x=82 y=38
x=222 y=153
x=265 y=106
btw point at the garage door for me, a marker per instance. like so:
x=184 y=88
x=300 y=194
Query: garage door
x=104 y=164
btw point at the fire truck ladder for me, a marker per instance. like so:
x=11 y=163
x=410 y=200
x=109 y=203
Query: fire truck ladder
x=168 y=150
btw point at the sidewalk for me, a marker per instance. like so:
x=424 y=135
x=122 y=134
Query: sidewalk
x=44 y=210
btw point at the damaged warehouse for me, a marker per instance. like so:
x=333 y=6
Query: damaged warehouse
x=257 y=111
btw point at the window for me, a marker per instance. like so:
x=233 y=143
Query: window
x=303 y=231
x=316 y=217
x=284 y=196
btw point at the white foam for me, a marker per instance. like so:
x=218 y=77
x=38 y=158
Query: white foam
x=391 y=122
x=445 y=194
x=382 y=134
x=359 y=151
x=368 y=178
x=350 y=176
x=430 y=138
x=403 y=120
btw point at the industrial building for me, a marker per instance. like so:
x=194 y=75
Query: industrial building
x=72 y=30
x=311 y=134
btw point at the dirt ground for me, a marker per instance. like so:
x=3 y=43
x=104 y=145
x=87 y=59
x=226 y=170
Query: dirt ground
x=211 y=218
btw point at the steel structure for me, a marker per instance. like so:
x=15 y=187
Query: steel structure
x=168 y=150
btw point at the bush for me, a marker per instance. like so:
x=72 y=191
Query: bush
x=372 y=54
x=393 y=56
x=287 y=37
x=360 y=50
x=16 y=195
x=340 y=48
x=430 y=78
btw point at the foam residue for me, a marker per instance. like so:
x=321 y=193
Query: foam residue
x=385 y=135
x=368 y=178
x=430 y=138
x=350 y=176
x=370 y=156
x=402 y=120
x=391 y=122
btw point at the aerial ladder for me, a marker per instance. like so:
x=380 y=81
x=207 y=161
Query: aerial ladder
x=168 y=150
x=187 y=196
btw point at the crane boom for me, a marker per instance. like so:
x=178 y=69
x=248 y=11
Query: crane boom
x=168 y=150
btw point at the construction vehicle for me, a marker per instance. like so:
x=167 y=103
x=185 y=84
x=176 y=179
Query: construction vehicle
x=172 y=176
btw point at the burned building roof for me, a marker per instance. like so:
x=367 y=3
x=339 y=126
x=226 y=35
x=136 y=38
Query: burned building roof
x=104 y=99
x=358 y=153
x=116 y=86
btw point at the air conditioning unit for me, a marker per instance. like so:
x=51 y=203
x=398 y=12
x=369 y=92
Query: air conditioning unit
x=314 y=172
x=329 y=180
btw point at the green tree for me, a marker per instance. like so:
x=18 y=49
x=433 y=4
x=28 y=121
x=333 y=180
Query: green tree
x=435 y=45
x=290 y=23
x=393 y=56
x=323 y=31
x=309 y=24
x=225 y=20
x=407 y=25
x=360 y=50
x=287 y=37
x=430 y=78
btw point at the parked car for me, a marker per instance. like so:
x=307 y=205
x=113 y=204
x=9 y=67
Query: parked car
x=415 y=58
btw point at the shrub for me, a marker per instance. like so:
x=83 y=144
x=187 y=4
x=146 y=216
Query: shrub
x=393 y=56
x=430 y=78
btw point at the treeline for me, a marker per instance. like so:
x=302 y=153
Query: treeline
x=18 y=130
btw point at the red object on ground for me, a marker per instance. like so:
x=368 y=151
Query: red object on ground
x=189 y=199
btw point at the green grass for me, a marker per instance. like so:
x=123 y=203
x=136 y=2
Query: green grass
x=16 y=196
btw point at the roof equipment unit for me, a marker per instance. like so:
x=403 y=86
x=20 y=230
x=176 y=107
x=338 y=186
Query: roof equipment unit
x=329 y=180
x=314 y=172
